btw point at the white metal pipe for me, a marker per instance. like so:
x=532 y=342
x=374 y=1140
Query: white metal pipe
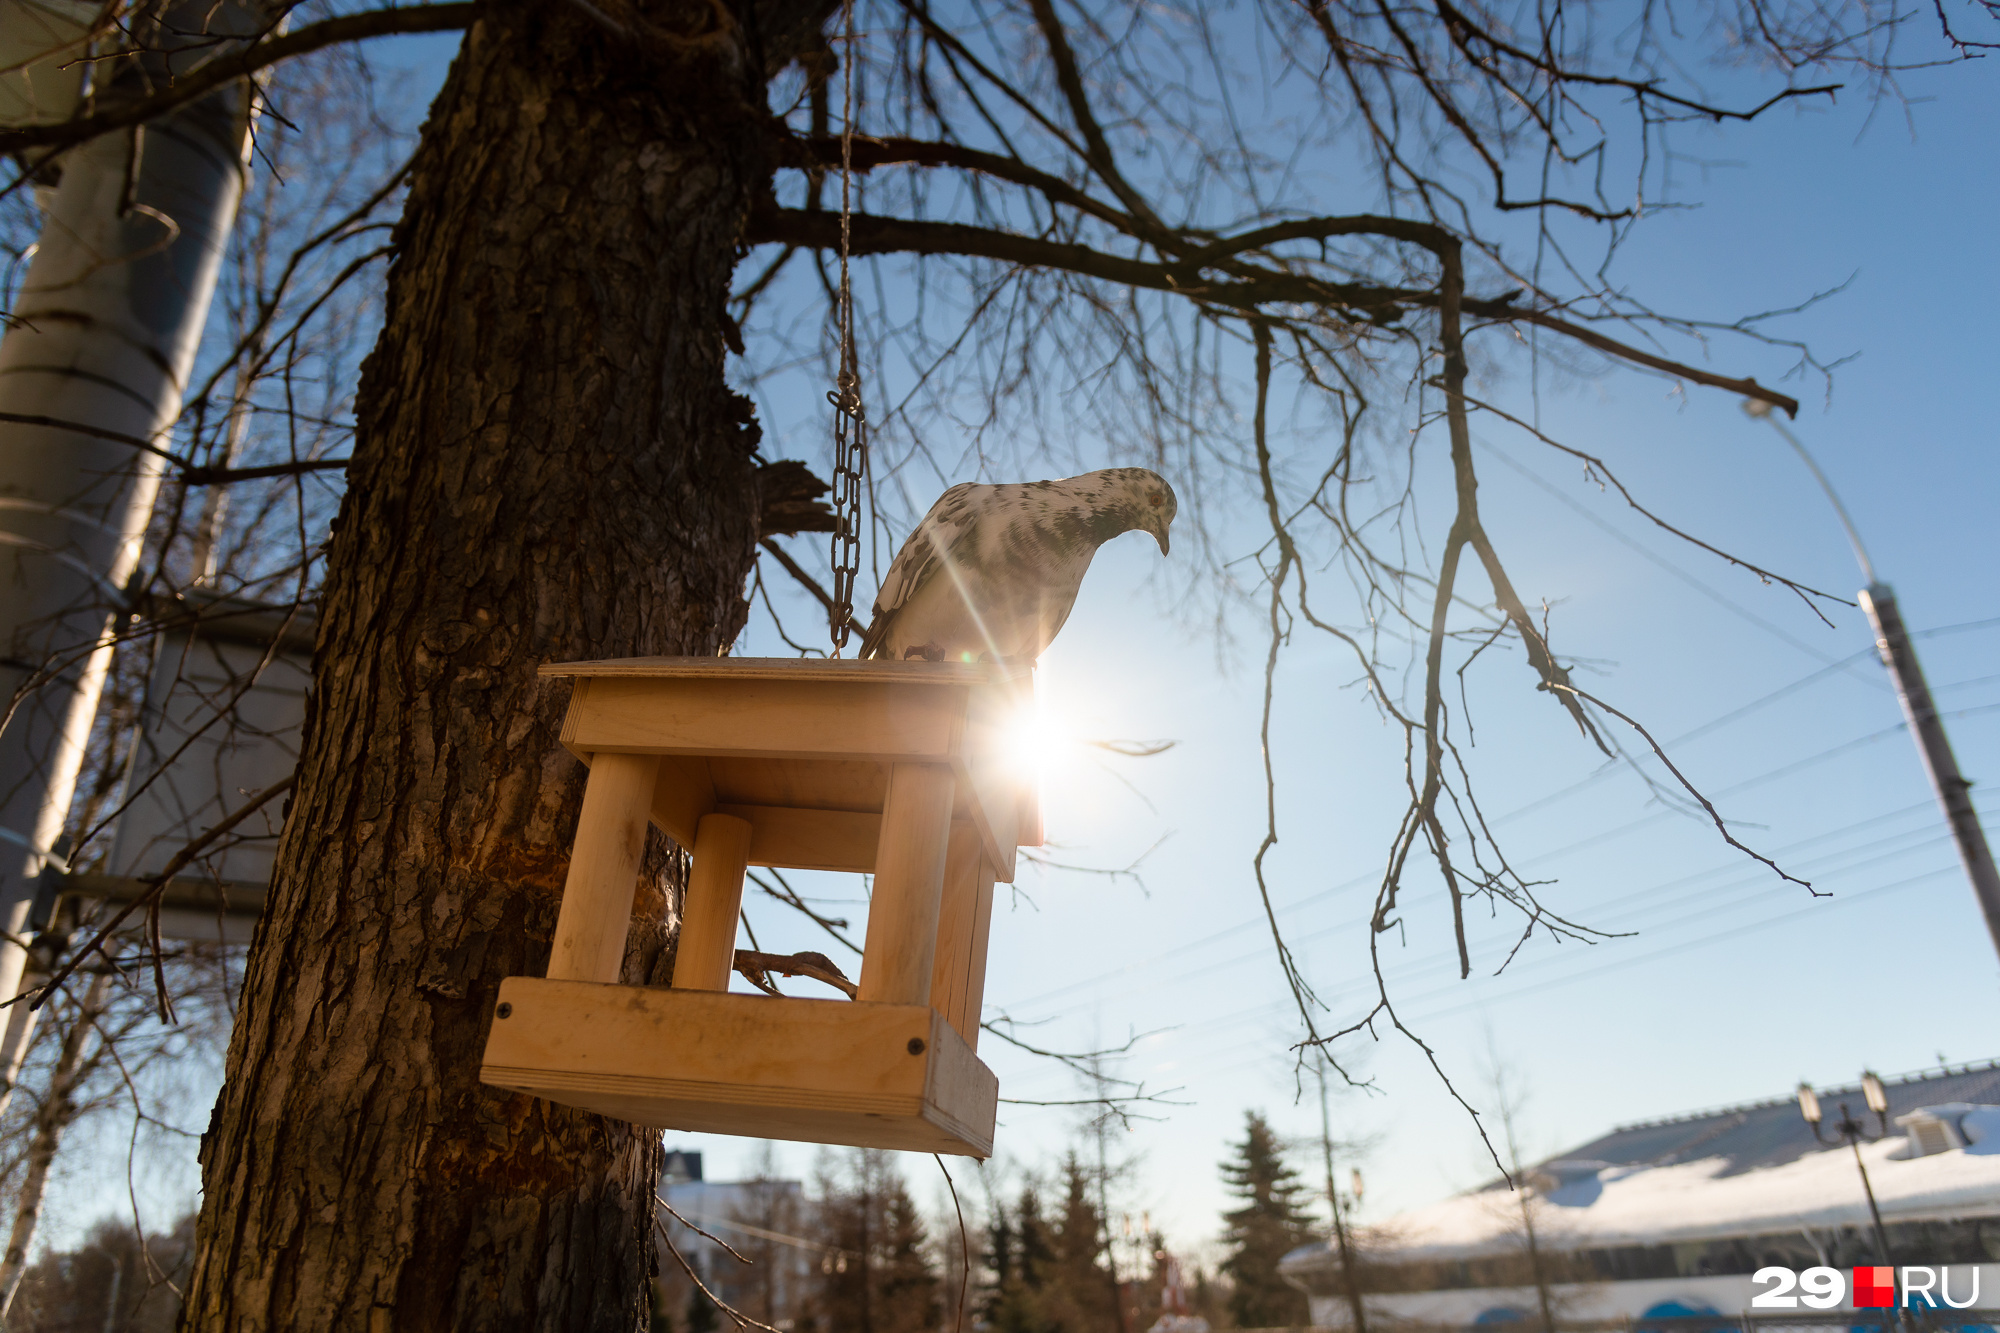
x=109 y=318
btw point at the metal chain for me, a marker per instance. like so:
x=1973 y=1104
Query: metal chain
x=850 y=422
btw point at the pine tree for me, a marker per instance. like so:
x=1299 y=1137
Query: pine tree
x=909 y=1283
x=1022 y=1259
x=1080 y=1296
x=1271 y=1222
x=883 y=1280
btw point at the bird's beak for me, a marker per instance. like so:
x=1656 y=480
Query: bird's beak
x=1162 y=535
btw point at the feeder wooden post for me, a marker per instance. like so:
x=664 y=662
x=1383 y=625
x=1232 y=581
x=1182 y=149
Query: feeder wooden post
x=707 y=951
x=909 y=884
x=959 y=974
x=596 y=910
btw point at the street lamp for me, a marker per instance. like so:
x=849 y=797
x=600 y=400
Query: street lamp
x=1853 y=1133
x=1899 y=655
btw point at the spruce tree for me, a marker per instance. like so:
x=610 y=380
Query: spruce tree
x=882 y=1279
x=1024 y=1264
x=1272 y=1222
x=1079 y=1297
x=909 y=1283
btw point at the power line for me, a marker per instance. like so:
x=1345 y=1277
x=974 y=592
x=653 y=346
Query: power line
x=1208 y=942
x=1652 y=896
x=1654 y=557
x=1484 y=1001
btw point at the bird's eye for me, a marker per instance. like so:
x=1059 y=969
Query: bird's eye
x=1156 y=499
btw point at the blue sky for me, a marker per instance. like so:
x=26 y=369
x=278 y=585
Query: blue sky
x=1734 y=985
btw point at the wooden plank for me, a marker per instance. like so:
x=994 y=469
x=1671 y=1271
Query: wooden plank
x=774 y=719
x=858 y=785
x=578 y=694
x=951 y=970
x=786 y=668
x=909 y=884
x=816 y=1071
x=972 y=1007
x=603 y=869
x=681 y=796
x=961 y=1096
x=704 y=958
x=810 y=839
x=806 y=784
x=961 y=937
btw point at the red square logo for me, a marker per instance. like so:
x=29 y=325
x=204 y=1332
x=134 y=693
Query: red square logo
x=1874 y=1285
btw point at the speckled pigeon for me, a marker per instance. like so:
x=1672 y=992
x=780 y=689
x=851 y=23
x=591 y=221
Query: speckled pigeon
x=991 y=572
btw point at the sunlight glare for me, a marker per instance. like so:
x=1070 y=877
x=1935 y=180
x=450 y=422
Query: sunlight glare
x=1037 y=741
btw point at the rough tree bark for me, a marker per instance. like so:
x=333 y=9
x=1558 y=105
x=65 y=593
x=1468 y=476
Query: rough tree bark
x=549 y=466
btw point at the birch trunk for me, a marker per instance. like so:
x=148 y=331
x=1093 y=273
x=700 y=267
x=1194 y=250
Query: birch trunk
x=549 y=466
x=52 y=1117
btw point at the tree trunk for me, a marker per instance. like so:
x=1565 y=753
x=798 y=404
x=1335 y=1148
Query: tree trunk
x=549 y=466
x=52 y=1117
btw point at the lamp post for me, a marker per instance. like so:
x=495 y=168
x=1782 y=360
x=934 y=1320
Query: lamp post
x=1851 y=1132
x=1899 y=655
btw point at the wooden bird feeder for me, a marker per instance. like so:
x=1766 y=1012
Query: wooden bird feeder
x=900 y=769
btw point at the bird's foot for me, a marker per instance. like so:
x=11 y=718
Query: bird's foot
x=929 y=652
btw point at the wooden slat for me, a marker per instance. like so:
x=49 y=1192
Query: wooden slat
x=816 y=1071
x=810 y=784
x=681 y=796
x=786 y=668
x=972 y=1006
x=957 y=1086
x=717 y=759
x=603 y=877
x=705 y=955
x=809 y=839
x=909 y=885
x=774 y=719
x=965 y=870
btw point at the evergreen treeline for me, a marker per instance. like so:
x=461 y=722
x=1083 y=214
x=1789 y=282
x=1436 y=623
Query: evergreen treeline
x=1046 y=1271
x=854 y=1254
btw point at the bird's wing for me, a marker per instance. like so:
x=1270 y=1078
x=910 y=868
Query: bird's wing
x=944 y=527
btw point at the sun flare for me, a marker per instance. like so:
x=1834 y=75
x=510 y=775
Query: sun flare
x=1036 y=741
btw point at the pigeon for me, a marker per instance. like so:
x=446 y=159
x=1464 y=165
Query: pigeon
x=992 y=571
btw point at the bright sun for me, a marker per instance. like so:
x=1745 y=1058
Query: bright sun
x=1036 y=741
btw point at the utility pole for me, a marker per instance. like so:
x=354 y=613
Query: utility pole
x=1954 y=792
x=107 y=323
x=1892 y=641
x=1348 y=1277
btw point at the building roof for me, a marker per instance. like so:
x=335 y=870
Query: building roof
x=1772 y=1133
x=1732 y=1171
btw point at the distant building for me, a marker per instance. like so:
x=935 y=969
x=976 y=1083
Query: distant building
x=1672 y=1217
x=765 y=1221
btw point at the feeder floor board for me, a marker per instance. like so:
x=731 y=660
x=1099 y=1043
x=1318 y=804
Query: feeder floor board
x=814 y=1071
